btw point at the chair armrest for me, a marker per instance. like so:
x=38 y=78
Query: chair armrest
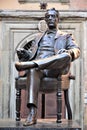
x=20 y=82
x=65 y=80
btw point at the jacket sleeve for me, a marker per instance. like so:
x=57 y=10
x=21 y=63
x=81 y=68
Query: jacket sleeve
x=72 y=47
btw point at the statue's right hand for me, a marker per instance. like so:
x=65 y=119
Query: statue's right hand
x=23 y=54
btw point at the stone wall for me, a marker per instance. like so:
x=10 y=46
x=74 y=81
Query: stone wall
x=59 y=4
x=14 y=27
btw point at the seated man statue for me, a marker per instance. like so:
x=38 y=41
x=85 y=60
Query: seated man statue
x=49 y=55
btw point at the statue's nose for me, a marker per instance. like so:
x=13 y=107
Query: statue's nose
x=50 y=17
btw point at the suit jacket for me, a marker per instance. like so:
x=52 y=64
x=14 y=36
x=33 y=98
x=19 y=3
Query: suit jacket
x=63 y=40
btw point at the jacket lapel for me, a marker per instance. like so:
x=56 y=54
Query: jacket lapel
x=37 y=40
x=58 y=34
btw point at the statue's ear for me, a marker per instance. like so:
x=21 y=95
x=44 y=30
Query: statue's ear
x=42 y=26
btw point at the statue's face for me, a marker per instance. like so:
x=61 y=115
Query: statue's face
x=51 y=19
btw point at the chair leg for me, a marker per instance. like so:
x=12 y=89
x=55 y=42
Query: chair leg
x=69 y=111
x=18 y=104
x=59 y=105
x=43 y=106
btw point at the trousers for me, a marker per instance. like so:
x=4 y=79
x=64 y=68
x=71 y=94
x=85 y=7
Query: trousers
x=35 y=75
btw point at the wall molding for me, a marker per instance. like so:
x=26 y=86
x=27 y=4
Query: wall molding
x=38 y=1
x=39 y=14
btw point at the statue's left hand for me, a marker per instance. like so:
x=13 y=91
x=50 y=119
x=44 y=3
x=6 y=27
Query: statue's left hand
x=70 y=52
x=62 y=51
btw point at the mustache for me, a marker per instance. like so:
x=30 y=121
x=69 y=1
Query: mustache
x=51 y=21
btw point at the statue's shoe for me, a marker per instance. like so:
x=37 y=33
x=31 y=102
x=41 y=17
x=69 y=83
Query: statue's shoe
x=25 y=65
x=32 y=118
x=32 y=121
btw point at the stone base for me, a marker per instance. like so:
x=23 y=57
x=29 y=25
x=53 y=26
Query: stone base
x=42 y=124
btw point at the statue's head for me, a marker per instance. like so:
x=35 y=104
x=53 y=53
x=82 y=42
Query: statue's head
x=52 y=18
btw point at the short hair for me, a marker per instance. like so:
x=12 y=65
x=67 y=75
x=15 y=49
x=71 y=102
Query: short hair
x=53 y=9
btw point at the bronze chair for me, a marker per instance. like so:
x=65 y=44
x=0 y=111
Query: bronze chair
x=48 y=85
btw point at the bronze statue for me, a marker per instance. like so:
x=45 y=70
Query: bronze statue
x=49 y=55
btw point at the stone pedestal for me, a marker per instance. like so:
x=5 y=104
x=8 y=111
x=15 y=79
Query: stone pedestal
x=45 y=124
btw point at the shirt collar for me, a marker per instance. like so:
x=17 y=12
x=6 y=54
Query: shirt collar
x=51 y=31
